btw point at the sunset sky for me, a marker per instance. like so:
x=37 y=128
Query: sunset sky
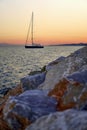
x=55 y=21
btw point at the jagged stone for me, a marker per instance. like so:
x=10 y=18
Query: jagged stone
x=80 y=77
x=65 y=84
x=4 y=125
x=51 y=64
x=64 y=68
x=71 y=91
x=12 y=92
x=16 y=91
x=32 y=81
x=27 y=107
x=67 y=120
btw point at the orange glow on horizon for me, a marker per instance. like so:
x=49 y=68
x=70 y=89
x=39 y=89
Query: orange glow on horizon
x=55 y=21
x=46 y=39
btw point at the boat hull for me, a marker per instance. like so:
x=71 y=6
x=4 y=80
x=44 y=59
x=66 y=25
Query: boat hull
x=35 y=46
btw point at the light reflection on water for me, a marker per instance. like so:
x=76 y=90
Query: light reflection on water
x=16 y=61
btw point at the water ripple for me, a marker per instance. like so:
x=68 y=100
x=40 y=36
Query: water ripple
x=16 y=62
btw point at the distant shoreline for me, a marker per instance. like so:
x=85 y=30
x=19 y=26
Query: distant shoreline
x=71 y=44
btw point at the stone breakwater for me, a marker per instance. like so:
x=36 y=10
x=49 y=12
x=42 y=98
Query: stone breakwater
x=54 y=99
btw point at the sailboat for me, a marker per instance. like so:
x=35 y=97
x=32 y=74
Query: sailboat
x=33 y=45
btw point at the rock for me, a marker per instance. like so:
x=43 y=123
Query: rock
x=13 y=92
x=84 y=107
x=51 y=64
x=32 y=81
x=80 y=77
x=58 y=92
x=21 y=110
x=62 y=85
x=71 y=91
x=64 y=68
x=67 y=120
x=32 y=73
x=43 y=69
x=4 y=125
x=8 y=92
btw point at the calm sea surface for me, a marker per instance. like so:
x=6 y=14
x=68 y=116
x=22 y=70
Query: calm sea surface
x=16 y=61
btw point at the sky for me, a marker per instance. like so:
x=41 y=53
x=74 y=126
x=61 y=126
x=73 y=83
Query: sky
x=55 y=21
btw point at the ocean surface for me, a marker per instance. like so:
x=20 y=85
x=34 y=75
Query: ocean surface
x=16 y=61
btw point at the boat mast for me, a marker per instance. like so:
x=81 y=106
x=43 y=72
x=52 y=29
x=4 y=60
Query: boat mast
x=32 y=29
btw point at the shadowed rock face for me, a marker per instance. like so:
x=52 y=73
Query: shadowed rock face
x=13 y=92
x=32 y=81
x=28 y=107
x=67 y=120
x=4 y=125
x=80 y=77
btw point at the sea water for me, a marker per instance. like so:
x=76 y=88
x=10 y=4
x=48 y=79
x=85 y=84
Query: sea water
x=17 y=62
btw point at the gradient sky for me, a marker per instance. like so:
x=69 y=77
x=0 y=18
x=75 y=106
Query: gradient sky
x=55 y=21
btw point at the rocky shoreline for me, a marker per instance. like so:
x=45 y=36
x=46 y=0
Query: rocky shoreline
x=52 y=99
